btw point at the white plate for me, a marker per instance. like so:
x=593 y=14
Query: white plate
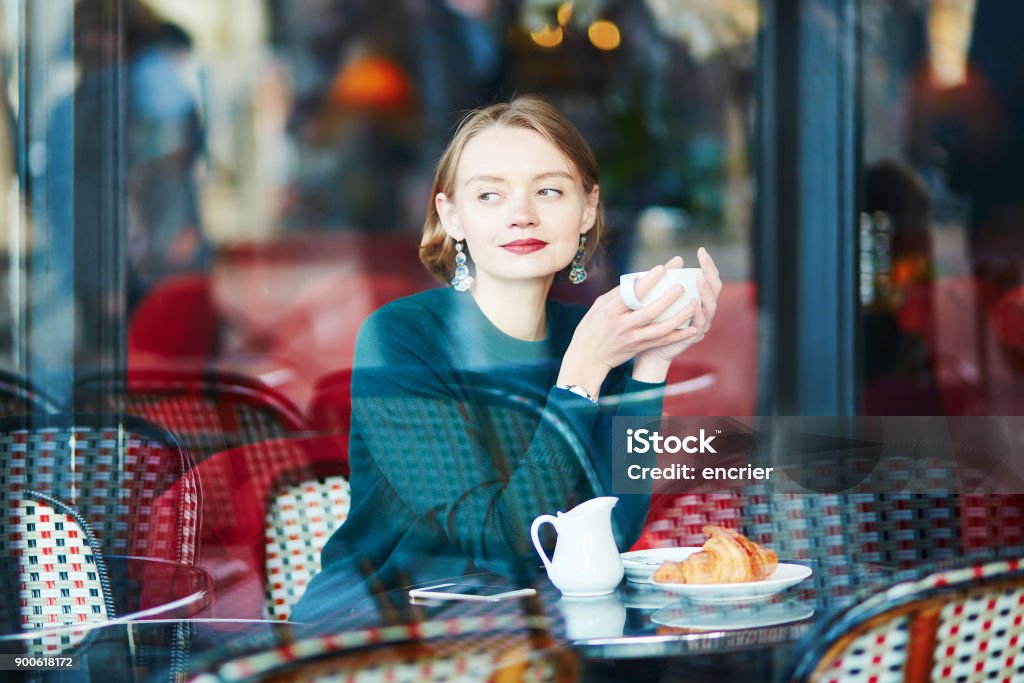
x=783 y=577
x=640 y=564
x=721 y=617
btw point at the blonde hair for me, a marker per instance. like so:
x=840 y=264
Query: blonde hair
x=437 y=250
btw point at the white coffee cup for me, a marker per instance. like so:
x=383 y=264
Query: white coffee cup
x=687 y=277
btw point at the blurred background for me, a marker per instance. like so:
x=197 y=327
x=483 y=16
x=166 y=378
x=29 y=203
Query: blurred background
x=237 y=184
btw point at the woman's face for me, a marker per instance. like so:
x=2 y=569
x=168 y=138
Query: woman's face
x=519 y=205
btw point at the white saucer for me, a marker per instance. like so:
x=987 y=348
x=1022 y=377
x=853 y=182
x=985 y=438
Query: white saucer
x=721 y=617
x=783 y=577
x=640 y=564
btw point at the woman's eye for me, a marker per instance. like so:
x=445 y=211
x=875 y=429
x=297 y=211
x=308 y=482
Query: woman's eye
x=487 y=196
x=550 y=192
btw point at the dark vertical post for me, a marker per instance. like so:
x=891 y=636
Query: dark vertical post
x=808 y=170
x=68 y=267
x=99 y=224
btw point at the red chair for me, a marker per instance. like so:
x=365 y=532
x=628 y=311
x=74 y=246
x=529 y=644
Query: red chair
x=677 y=520
x=330 y=411
x=208 y=410
x=244 y=436
x=1008 y=321
x=133 y=482
x=718 y=376
x=177 y=320
x=252 y=530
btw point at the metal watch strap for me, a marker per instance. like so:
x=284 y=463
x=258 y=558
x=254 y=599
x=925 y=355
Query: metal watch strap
x=578 y=390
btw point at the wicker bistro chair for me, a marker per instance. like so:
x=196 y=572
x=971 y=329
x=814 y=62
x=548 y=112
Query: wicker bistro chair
x=915 y=507
x=116 y=470
x=330 y=410
x=211 y=412
x=208 y=410
x=677 y=520
x=250 y=442
x=303 y=513
x=300 y=519
x=478 y=648
x=137 y=494
x=268 y=508
x=57 y=570
x=65 y=588
x=956 y=624
x=920 y=501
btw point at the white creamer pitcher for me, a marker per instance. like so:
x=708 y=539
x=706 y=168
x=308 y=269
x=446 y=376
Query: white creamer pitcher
x=586 y=561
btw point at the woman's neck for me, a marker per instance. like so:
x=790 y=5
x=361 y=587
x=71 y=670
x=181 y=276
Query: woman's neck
x=517 y=308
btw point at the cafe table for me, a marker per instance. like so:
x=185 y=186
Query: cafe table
x=638 y=628
x=642 y=620
x=639 y=631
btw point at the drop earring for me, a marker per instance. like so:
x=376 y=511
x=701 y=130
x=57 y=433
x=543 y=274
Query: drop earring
x=578 y=273
x=462 y=279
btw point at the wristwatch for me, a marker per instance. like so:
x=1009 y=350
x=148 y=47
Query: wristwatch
x=578 y=390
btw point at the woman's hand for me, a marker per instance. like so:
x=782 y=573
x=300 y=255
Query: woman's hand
x=655 y=361
x=611 y=333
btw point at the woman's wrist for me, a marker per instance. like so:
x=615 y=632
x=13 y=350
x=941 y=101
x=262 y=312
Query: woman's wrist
x=590 y=376
x=650 y=369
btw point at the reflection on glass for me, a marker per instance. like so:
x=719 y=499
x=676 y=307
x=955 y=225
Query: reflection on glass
x=288 y=154
x=942 y=123
x=272 y=163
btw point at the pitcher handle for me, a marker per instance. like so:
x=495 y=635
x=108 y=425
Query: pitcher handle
x=534 y=528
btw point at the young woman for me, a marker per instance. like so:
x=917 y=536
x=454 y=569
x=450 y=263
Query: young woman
x=478 y=406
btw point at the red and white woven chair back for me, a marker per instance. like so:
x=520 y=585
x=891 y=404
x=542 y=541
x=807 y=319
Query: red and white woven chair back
x=62 y=582
x=480 y=648
x=878 y=655
x=117 y=476
x=677 y=520
x=300 y=519
x=207 y=410
x=963 y=624
x=981 y=638
x=488 y=657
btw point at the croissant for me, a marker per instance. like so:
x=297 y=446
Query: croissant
x=727 y=557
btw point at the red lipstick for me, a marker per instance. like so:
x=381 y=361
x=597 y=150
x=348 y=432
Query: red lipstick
x=527 y=246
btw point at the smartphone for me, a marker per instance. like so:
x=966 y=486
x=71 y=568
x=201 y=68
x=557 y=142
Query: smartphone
x=468 y=591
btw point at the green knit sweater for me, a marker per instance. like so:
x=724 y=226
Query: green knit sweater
x=459 y=439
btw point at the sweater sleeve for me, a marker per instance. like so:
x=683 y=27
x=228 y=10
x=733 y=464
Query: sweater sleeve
x=420 y=432
x=626 y=397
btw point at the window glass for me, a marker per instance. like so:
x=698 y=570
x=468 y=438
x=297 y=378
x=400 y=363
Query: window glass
x=278 y=158
x=940 y=269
